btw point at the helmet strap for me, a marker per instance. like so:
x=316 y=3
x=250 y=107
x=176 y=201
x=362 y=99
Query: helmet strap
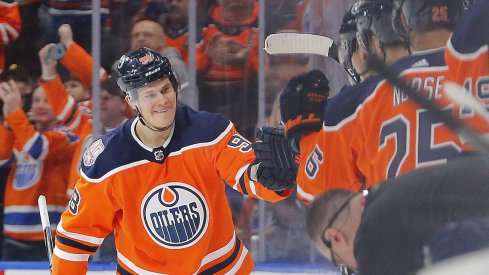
x=151 y=127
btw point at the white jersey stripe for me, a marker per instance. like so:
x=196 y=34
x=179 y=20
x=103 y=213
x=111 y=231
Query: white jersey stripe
x=132 y=266
x=238 y=264
x=70 y=256
x=80 y=237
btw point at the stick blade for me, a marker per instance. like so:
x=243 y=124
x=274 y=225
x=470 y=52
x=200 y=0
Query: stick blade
x=300 y=43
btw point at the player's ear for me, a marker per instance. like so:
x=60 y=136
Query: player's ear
x=130 y=102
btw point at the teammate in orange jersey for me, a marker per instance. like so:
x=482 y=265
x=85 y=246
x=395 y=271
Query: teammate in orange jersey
x=467 y=57
x=157 y=181
x=323 y=153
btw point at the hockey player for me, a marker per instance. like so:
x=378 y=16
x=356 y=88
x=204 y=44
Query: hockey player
x=159 y=180
x=375 y=36
x=467 y=56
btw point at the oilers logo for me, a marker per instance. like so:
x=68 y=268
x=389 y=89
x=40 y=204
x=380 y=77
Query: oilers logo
x=175 y=215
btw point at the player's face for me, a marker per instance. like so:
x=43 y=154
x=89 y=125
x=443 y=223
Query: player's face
x=42 y=112
x=157 y=102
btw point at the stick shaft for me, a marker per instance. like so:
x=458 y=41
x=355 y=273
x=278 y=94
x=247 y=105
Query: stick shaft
x=46 y=228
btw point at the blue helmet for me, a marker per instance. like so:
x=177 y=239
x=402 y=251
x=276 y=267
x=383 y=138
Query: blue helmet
x=141 y=67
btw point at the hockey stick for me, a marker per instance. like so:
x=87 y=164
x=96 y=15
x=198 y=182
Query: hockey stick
x=304 y=43
x=461 y=96
x=451 y=122
x=46 y=228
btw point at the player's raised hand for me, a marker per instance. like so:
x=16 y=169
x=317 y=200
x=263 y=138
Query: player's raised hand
x=65 y=35
x=273 y=149
x=10 y=95
x=302 y=103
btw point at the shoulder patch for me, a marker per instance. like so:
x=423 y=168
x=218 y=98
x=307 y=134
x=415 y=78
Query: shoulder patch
x=92 y=152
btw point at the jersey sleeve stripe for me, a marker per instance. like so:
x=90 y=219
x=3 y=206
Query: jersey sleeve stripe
x=12 y=31
x=80 y=237
x=71 y=256
x=237 y=266
x=4 y=35
x=220 y=266
x=220 y=252
x=70 y=106
x=133 y=267
x=242 y=185
x=75 y=244
x=120 y=270
x=303 y=195
x=112 y=172
x=203 y=144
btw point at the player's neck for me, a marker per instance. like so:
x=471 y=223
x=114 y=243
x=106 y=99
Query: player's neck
x=426 y=40
x=151 y=138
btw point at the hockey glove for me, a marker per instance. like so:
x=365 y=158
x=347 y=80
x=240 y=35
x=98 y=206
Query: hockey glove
x=273 y=149
x=302 y=103
x=275 y=179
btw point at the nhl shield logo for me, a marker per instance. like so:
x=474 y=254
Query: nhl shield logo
x=175 y=215
x=159 y=156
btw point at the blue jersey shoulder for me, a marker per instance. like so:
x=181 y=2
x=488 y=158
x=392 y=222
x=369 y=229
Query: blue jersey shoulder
x=119 y=148
x=345 y=103
x=472 y=31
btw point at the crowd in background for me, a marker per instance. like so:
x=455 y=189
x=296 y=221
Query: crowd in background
x=45 y=49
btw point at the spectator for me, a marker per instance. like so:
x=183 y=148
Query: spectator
x=149 y=33
x=176 y=26
x=39 y=157
x=401 y=218
x=227 y=63
x=10 y=24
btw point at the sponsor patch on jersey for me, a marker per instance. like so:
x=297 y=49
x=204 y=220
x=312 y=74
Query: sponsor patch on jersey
x=175 y=215
x=92 y=152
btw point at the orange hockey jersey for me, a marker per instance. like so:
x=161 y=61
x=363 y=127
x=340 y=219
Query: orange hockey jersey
x=167 y=205
x=393 y=135
x=40 y=162
x=383 y=134
x=467 y=56
x=10 y=23
x=315 y=147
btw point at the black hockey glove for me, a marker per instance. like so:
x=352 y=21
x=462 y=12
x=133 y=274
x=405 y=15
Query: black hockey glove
x=273 y=149
x=276 y=179
x=302 y=103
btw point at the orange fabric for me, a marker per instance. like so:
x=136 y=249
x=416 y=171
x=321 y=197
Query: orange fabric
x=10 y=24
x=180 y=43
x=79 y=62
x=40 y=167
x=247 y=38
x=123 y=193
x=73 y=117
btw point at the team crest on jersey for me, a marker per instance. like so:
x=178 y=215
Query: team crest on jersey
x=92 y=152
x=175 y=215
